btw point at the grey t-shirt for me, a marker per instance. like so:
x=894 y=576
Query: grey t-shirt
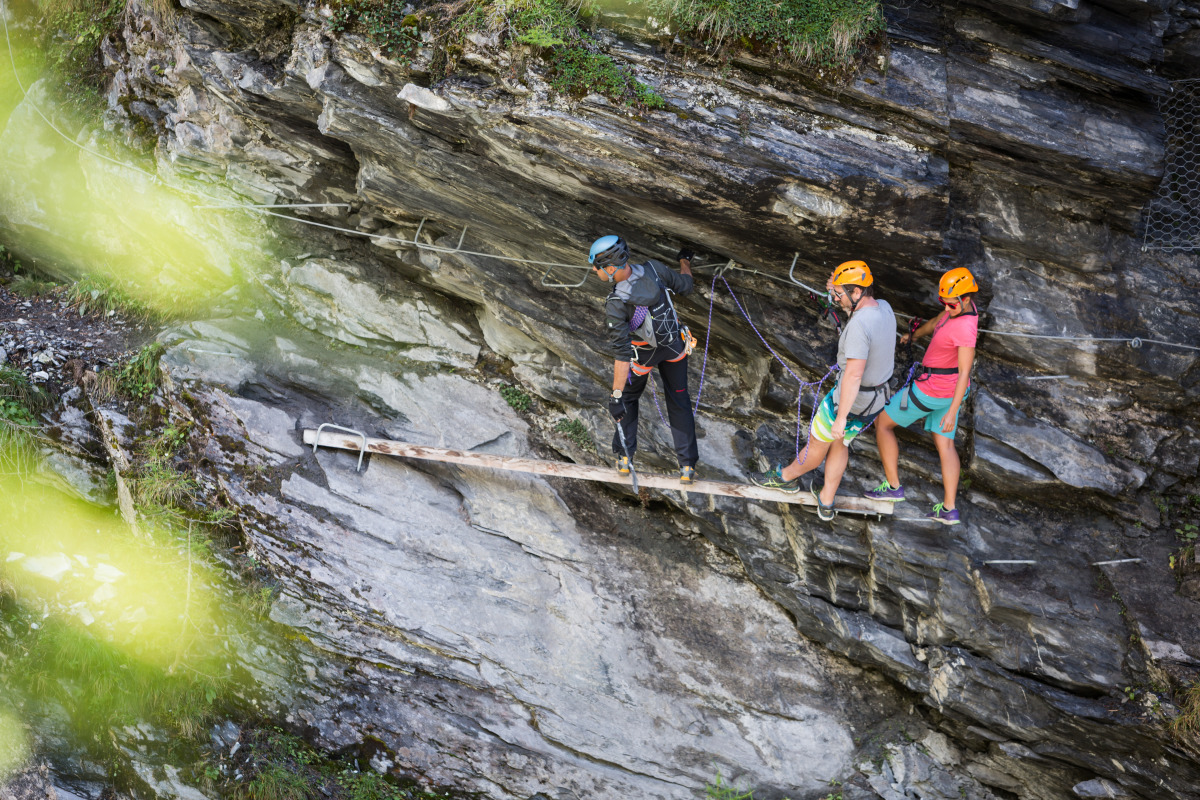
x=870 y=334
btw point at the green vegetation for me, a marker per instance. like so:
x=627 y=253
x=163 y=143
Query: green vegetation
x=516 y=397
x=1187 y=725
x=578 y=71
x=823 y=33
x=385 y=22
x=20 y=404
x=140 y=375
x=30 y=286
x=107 y=688
x=574 y=430
x=103 y=297
x=282 y=767
x=719 y=790
x=73 y=31
x=829 y=34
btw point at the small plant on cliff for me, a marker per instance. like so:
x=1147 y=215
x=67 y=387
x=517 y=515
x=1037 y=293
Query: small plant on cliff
x=1187 y=725
x=516 y=397
x=719 y=790
x=578 y=71
x=574 y=430
x=140 y=375
x=385 y=22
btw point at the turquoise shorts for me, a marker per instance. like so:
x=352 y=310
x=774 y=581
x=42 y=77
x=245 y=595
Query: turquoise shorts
x=935 y=409
x=822 y=425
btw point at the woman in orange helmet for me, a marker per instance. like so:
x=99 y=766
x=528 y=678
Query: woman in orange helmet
x=936 y=393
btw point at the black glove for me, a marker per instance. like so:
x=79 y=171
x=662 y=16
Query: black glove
x=685 y=254
x=616 y=407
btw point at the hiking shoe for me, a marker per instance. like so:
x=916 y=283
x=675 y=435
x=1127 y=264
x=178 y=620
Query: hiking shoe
x=687 y=474
x=946 y=516
x=623 y=465
x=824 y=512
x=885 y=492
x=773 y=479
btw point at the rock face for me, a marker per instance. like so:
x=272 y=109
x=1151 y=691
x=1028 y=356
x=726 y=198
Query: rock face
x=521 y=638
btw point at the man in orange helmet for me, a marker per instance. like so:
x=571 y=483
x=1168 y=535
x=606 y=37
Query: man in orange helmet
x=866 y=360
x=935 y=393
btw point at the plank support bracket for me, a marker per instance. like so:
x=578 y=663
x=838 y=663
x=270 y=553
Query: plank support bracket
x=362 y=451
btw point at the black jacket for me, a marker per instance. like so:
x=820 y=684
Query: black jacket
x=639 y=289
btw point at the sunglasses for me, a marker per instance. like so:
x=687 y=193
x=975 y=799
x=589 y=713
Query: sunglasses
x=955 y=303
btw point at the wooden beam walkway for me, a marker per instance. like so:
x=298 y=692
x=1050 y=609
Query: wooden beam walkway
x=559 y=469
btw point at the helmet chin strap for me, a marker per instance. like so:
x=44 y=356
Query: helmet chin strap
x=853 y=302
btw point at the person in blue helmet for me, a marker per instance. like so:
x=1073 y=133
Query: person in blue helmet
x=644 y=333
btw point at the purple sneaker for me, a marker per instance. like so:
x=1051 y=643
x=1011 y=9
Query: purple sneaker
x=885 y=492
x=943 y=515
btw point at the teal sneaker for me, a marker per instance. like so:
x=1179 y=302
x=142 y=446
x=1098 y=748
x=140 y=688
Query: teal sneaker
x=825 y=513
x=773 y=479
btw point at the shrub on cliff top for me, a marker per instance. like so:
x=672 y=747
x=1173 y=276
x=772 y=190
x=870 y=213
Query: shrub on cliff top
x=826 y=33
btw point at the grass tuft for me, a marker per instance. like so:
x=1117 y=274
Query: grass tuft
x=1186 y=726
x=824 y=33
x=92 y=295
x=29 y=286
x=140 y=375
x=719 y=790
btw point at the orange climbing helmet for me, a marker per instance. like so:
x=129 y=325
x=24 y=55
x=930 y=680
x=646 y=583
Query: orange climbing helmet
x=855 y=273
x=957 y=282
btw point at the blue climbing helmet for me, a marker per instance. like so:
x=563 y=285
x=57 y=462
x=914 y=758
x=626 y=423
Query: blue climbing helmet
x=609 y=251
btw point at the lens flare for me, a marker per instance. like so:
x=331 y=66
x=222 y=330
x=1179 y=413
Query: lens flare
x=14 y=746
x=76 y=204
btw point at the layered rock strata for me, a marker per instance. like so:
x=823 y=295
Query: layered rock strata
x=1020 y=139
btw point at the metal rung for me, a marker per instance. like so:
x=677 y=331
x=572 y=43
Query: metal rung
x=362 y=450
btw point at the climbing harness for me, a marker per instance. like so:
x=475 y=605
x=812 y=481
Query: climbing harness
x=918 y=372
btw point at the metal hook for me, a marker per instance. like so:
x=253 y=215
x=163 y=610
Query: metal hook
x=362 y=451
x=1135 y=343
x=417 y=235
x=546 y=274
x=792 y=277
x=721 y=270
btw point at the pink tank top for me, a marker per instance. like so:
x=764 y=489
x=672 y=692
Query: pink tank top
x=955 y=332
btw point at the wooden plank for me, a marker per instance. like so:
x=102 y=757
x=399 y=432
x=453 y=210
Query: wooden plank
x=559 y=469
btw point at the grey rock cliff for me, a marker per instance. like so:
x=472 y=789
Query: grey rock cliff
x=570 y=642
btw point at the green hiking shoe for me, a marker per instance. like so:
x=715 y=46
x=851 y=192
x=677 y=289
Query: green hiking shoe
x=773 y=479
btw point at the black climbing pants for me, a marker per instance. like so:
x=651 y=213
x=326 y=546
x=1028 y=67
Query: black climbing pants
x=678 y=402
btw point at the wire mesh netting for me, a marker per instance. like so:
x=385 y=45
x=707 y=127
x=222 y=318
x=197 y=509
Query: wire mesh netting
x=1172 y=217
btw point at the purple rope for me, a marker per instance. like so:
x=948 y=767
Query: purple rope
x=712 y=295
x=815 y=385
